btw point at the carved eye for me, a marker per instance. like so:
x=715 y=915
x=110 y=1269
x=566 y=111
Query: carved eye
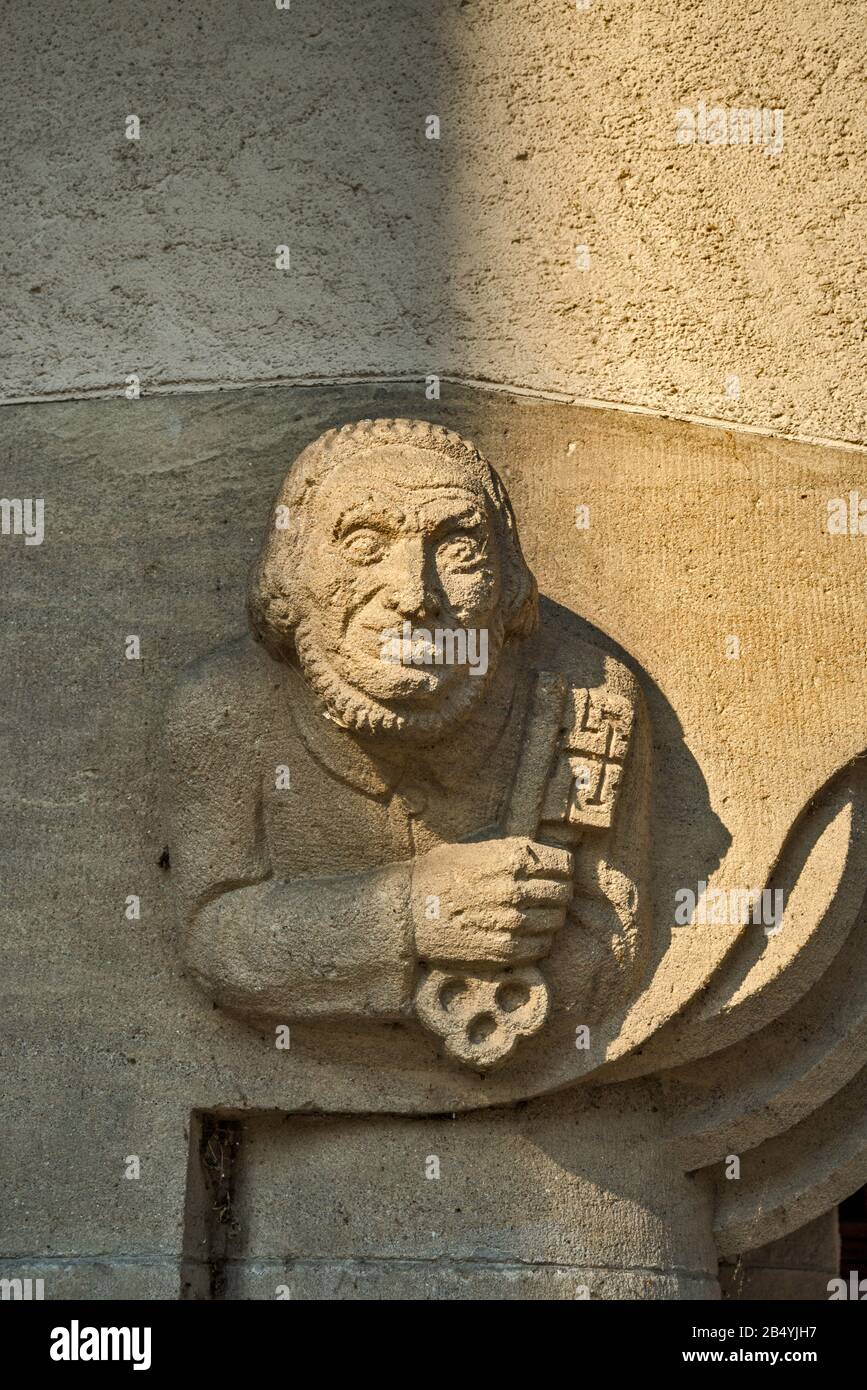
x=461 y=551
x=364 y=546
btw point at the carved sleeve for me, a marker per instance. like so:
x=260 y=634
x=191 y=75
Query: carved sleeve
x=270 y=949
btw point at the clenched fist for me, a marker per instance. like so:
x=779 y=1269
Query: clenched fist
x=490 y=902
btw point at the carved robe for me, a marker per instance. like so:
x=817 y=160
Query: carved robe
x=294 y=899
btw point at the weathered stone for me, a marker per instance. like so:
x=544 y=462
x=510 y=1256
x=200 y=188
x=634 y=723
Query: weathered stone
x=726 y=1039
x=798 y=1266
x=308 y=887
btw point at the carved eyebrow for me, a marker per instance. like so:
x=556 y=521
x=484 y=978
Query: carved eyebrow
x=370 y=514
x=470 y=520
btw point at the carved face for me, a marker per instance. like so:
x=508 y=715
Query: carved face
x=401 y=555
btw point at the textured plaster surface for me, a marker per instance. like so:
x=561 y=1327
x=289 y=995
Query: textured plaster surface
x=305 y=128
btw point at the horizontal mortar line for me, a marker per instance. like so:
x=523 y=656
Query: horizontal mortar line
x=657 y=413
x=316 y=1261
x=19 y=1262
x=197 y=387
x=439 y=1261
x=740 y=1267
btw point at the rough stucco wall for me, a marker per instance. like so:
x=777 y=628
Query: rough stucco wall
x=305 y=127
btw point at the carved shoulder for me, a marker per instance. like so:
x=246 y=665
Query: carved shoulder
x=214 y=716
x=219 y=700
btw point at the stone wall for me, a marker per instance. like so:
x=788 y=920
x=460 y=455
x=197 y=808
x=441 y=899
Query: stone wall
x=668 y=335
x=306 y=128
x=154 y=510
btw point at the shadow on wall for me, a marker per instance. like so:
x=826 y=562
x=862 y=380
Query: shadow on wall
x=688 y=839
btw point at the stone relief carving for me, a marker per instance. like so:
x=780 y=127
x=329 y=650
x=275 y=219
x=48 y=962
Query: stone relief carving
x=409 y=795
x=430 y=856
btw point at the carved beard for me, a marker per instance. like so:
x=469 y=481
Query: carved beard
x=360 y=713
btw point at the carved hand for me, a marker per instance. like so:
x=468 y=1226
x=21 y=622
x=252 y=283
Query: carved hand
x=491 y=902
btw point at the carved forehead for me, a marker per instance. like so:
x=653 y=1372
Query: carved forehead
x=403 y=468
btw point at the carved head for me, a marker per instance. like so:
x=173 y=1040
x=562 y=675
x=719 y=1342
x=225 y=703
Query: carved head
x=387 y=541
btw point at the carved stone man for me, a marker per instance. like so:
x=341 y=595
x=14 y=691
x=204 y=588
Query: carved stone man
x=409 y=817
x=415 y=793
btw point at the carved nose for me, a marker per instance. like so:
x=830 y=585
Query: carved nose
x=411 y=594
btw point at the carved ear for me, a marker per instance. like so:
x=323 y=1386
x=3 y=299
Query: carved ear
x=272 y=596
x=520 y=591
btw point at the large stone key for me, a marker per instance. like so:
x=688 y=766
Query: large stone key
x=482 y=1016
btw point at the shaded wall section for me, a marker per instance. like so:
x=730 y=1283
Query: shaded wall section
x=555 y=237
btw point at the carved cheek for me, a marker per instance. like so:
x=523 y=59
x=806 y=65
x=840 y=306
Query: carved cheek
x=340 y=589
x=471 y=595
x=354 y=592
x=319 y=573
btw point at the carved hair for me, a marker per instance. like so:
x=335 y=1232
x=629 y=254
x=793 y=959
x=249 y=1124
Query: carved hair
x=271 y=601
